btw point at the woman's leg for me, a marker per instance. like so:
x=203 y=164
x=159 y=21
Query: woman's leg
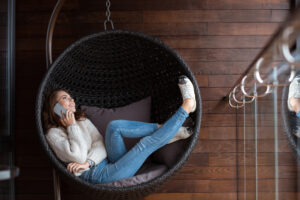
x=117 y=129
x=128 y=164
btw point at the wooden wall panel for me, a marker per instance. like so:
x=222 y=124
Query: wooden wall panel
x=218 y=39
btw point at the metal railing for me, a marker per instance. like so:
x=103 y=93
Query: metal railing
x=279 y=56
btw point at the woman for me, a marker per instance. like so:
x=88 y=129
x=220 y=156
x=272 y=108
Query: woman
x=77 y=142
x=293 y=103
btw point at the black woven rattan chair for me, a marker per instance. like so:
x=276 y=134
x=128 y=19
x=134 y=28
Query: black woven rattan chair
x=112 y=69
x=290 y=122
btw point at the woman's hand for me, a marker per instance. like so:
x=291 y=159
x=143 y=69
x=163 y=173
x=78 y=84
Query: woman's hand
x=68 y=118
x=75 y=167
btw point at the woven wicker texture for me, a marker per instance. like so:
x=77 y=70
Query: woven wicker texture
x=112 y=69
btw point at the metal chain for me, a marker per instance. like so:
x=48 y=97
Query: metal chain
x=108 y=16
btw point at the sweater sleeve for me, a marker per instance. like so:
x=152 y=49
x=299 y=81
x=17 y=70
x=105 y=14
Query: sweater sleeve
x=97 y=151
x=70 y=148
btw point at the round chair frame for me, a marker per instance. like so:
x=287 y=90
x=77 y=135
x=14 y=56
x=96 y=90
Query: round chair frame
x=160 y=81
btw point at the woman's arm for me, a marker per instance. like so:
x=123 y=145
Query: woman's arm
x=97 y=151
x=71 y=148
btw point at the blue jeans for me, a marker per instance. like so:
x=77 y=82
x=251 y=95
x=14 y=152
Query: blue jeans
x=121 y=163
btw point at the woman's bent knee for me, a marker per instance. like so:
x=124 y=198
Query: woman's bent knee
x=112 y=126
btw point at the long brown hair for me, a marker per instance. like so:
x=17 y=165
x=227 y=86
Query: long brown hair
x=50 y=118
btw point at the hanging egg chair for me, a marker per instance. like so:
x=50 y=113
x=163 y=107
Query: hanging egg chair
x=112 y=69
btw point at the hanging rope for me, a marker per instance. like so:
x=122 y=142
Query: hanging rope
x=108 y=16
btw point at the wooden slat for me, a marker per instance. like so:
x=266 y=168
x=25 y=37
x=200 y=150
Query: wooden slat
x=218 y=67
x=279 y=15
x=199 y=172
x=211 y=107
x=221 y=159
x=218 y=54
x=191 y=5
x=228 y=42
x=229 y=146
x=264 y=107
x=264 y=120
x=264 y=133
x=269 y=195
x=222 y=80
x=215 y=146
x=265 y=146
x=213 y=186
x=211 y=120
x=214 y=16
x=267 y=172
x=199 y=186
x=268 y=185
x=242 y=28
x=192 y=196
x=214 y=94
x=80 y=17
x=256 y=4
x=34 y=5
x=202 y=80
x=217 y=133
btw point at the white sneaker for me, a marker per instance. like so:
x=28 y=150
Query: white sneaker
x=187 y=89
x=183 y=133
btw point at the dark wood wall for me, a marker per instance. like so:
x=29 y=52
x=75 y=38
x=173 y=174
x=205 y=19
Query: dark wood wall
x=217 y=38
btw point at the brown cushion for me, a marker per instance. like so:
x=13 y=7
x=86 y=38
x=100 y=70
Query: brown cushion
x=137 y=111
x=171 y=153
x=147 y=173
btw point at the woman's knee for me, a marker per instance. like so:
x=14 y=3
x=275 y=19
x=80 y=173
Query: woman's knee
x=112 y=127
x=114 y=123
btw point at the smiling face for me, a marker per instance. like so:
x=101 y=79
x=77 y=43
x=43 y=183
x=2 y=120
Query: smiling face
x=64 y=99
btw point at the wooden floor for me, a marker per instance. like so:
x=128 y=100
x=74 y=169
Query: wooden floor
x=217 y=38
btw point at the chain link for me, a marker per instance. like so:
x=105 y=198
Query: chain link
x=108 y=16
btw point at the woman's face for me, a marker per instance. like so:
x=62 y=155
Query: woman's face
x=66 y=101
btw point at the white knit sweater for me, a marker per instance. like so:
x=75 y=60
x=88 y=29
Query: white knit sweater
x=83 y=141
